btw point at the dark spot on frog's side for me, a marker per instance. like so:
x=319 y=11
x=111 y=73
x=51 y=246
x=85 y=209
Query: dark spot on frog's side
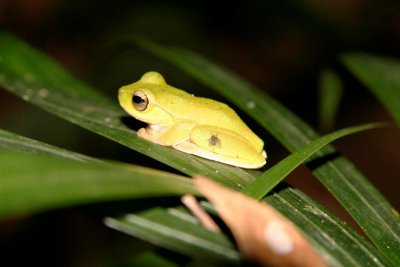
x=214 y=141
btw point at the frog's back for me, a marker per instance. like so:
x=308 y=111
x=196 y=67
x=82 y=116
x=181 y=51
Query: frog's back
x=207 y=112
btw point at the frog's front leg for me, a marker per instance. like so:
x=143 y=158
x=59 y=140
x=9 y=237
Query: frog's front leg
x=222 y=145
x=167 y=135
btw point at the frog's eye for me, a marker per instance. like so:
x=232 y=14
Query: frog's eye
x=140 y=100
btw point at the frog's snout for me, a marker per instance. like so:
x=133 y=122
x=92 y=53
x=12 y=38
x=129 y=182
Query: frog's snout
x=124 y=97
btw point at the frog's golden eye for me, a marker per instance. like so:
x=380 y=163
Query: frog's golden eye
x=139 y=100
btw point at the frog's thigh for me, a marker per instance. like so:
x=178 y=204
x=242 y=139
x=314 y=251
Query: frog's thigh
x=222 y=145
x=177 y=133
x=222 y=141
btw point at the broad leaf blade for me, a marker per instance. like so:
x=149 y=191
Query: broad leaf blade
x=270 y=178
x=357 y=195
x=33 y=183
x=381 y=77
x=38 y=80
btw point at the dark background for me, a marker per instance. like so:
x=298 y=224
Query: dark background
x=282 y=46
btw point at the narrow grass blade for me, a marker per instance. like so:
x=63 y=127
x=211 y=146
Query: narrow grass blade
x=34 y=183
x=357 y=195
x=14 y=142
x=337 y=243
x=380 y=75
x=178 y=231
x=270 y=178
x=330 y=94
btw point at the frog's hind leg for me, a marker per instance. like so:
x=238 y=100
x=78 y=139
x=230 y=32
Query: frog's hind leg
x=222 y=145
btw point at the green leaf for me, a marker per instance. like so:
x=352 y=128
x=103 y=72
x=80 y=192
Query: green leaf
x=330 y=93
x=380 y=75
x=26 y=73
x=33 y=183
x=179 y=231
x=51 y=197
x=327 y=244
x=357 y=195
x=270 y=178
x=336 y=242
x=14 y=142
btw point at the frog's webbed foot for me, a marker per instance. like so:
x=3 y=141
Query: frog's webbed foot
x=150 y=135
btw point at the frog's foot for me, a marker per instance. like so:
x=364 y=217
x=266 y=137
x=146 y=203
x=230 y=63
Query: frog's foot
x=150 y=135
